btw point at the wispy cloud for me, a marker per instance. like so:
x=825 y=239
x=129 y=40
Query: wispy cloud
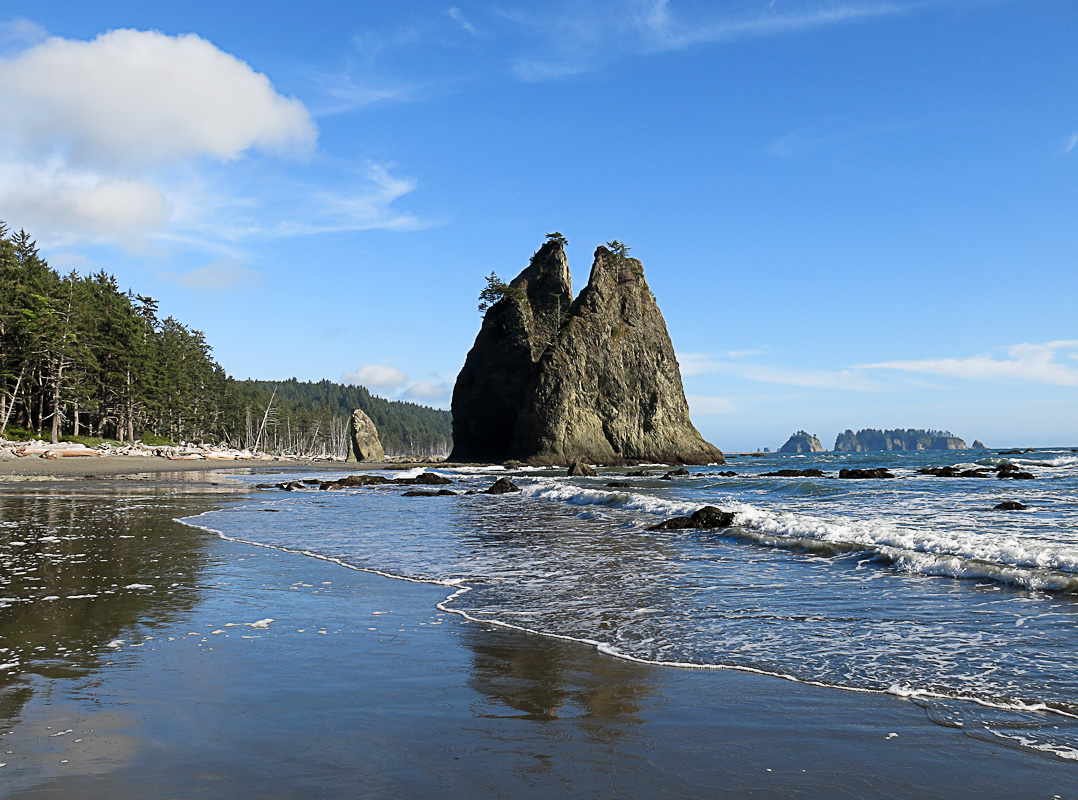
x=672 y=31
x=1028 y=363
x=218 y=276
x=854 y=379
x=1071 y=143
x=582 y=36
x=457 y=16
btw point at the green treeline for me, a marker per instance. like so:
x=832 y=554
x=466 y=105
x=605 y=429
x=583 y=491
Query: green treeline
x=313 y=418
x=79 y=357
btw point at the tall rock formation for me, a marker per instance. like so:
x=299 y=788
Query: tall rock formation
x=364 y=444
x=498 y=376
x=551 y=380
x=802 y=442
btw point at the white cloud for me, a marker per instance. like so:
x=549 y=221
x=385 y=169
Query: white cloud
x=703 y=406
x=220 y=275
x=138 y=97
x=1071 y=143
x=1029 y=363
x=376 y=375
x=79 y=204
x=428 y=393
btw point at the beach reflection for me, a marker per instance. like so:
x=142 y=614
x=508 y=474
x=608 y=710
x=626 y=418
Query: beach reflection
x=80 y=569
x=542 y=679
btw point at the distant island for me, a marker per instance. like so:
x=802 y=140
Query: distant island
x=802 y=442
x=871 y=439
x=82 y=360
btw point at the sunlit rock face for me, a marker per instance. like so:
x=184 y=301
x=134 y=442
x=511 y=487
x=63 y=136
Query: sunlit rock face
x=555 y=380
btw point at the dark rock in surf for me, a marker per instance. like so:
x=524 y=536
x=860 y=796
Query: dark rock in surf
x=355 y=481
x=954 y=472
x=677 y=473
x=861 y=474
x=1010 y=505
x=423 y=479
x=794 y=473
x=1008 y=470
x=705 y=518
x=579 y=469
x=619 y=485
x=429 y=493
x=502 y=486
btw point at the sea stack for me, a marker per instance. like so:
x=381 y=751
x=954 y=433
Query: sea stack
x=802 y=442
x=364 y=444
x=552 y=380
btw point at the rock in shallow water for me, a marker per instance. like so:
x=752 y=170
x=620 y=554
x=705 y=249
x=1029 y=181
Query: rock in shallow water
x=704 y=518
x=1010 y=505
x=502 y=486
x=879 y=472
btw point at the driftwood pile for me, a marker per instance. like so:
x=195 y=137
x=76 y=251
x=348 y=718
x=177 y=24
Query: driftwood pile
x=187 y=452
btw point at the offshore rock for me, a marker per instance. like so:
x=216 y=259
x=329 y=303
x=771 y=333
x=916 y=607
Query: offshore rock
x=802 y=442
x=502 y=486
x=861 y=474
x=363 y=436
x=551 y=380
x=579 y=469
x=704 y=518
x=871 y=439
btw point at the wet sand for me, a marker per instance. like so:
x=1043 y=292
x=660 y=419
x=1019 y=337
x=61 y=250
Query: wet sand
x=359 y=687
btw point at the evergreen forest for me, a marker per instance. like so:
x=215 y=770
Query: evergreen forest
x=82 y=359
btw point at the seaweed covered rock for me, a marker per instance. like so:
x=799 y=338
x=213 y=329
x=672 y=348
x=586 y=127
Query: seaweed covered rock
x=554 y=380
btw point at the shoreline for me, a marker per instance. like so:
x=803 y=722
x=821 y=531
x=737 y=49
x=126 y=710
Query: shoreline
x=360 y=680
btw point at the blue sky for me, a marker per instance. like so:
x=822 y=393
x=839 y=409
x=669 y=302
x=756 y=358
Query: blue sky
x=853 y=213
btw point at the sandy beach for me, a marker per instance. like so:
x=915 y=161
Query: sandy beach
x=220 y=669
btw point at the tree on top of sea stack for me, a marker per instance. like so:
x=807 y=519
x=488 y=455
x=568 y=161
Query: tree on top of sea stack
x=555 y=380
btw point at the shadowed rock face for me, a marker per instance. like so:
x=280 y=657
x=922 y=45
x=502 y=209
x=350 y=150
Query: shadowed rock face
x=498 y=376
x=595 y=380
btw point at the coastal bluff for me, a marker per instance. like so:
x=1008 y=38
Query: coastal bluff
x=552 y=379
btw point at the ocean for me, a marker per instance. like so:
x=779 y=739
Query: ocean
x=914 y=586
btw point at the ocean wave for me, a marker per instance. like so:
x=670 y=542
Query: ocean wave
x=1021 y=561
